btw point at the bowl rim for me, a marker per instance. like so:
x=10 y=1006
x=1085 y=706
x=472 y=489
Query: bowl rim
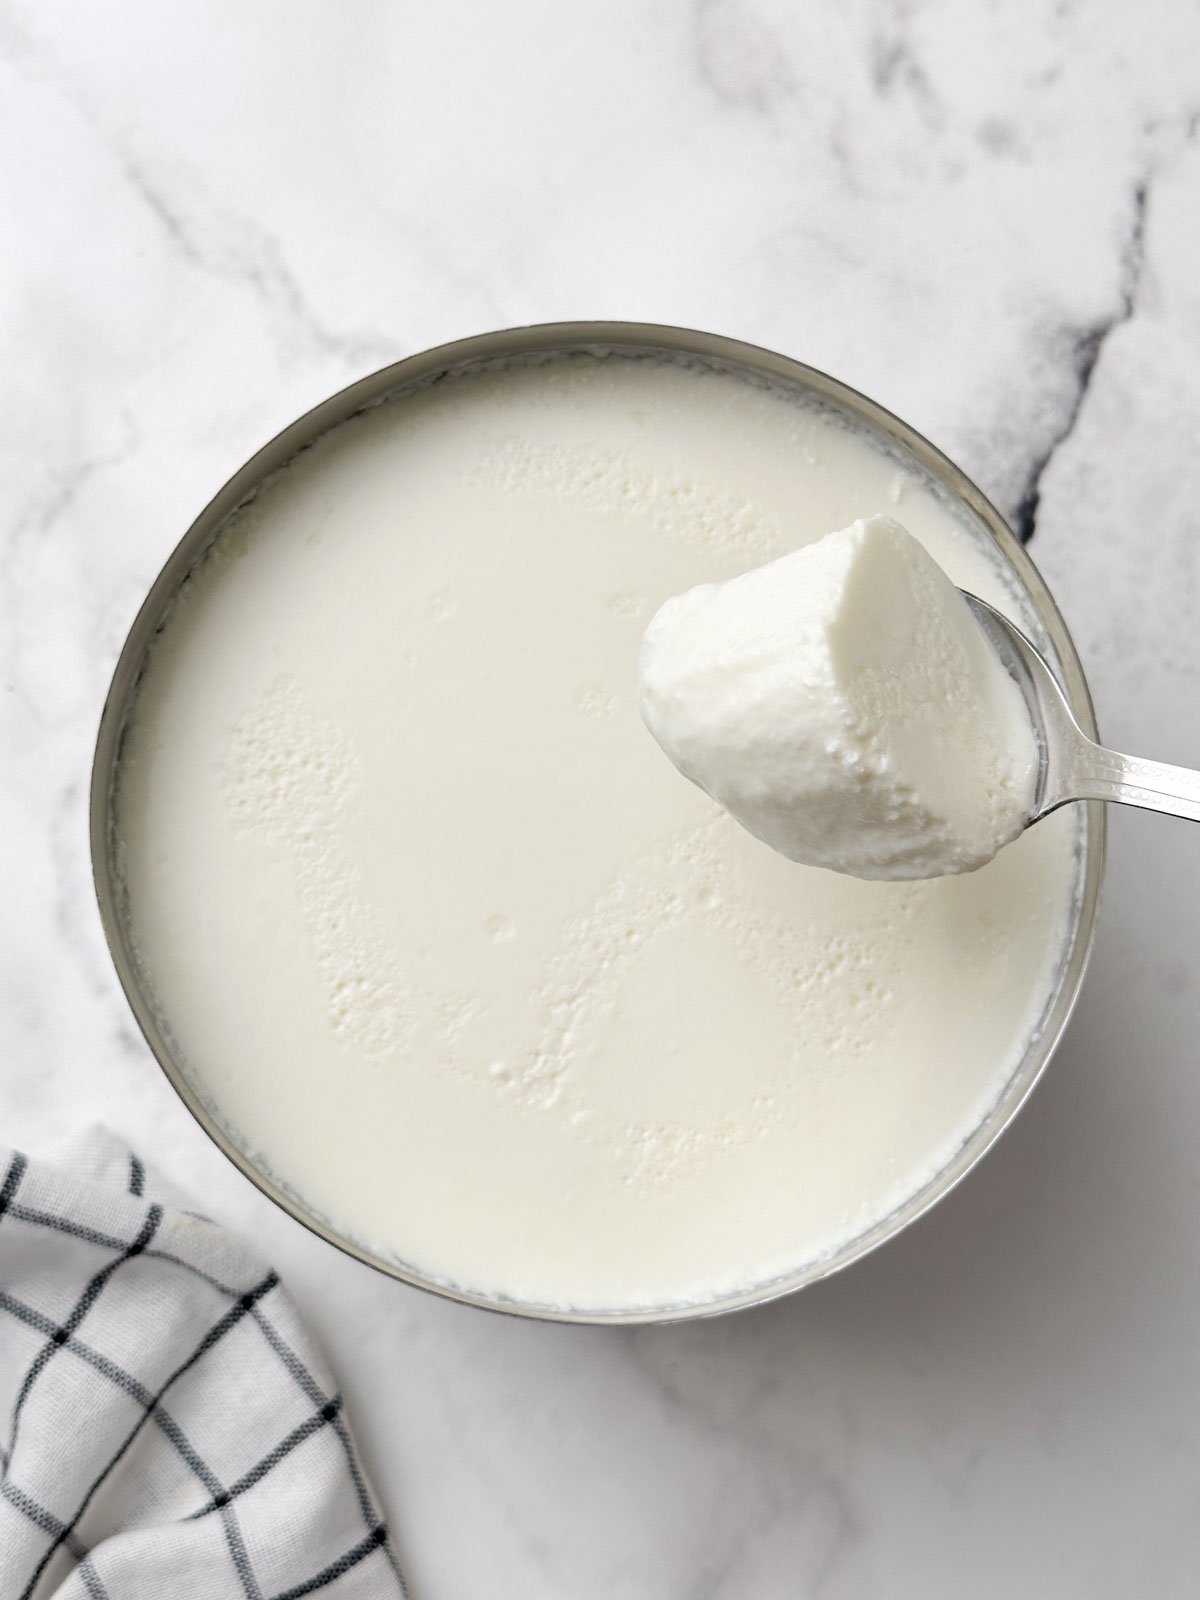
x=497 y=347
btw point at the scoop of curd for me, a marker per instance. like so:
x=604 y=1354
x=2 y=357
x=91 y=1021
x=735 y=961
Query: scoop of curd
x=844 y=705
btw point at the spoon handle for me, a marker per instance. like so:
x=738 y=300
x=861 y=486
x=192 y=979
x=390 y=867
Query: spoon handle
x=1099 y=774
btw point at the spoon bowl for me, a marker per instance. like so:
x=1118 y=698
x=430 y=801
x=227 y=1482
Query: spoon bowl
x=1072 y=766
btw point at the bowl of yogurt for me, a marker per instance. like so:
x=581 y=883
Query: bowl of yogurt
x=426 y=932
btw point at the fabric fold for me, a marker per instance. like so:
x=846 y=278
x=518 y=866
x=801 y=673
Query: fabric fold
x=167 y=1425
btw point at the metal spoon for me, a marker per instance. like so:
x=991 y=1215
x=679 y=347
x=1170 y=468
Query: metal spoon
x=1072 y=767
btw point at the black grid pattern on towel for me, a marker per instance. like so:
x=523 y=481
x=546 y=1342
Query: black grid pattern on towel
x=219 y=1501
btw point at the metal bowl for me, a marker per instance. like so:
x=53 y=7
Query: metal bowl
x=529 y=343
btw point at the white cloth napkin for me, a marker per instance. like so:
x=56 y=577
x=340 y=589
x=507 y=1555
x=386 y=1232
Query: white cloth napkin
x=167 y=1429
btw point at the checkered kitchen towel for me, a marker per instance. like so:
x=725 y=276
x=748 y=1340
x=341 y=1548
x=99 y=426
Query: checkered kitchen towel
x=167 y=1430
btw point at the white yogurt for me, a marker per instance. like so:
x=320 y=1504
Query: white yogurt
x=845 y=706
x=442 y=937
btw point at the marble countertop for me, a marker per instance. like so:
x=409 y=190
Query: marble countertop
x=986 y=216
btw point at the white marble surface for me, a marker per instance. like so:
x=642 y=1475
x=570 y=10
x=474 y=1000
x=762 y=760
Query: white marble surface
x=983 y=214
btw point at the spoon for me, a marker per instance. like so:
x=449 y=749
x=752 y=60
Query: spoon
x=1072 y=766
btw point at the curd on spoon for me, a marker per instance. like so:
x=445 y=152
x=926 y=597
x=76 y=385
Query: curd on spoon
x=845 y=706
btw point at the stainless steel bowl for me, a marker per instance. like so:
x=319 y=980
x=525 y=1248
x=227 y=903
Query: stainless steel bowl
x=529 y=343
